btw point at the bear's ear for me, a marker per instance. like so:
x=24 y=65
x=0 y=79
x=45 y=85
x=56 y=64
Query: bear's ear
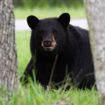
x=32 y=21
x=64 y=19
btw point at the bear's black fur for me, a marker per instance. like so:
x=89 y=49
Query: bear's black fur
x=55 y=36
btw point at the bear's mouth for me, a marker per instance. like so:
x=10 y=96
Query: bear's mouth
x=48 y=49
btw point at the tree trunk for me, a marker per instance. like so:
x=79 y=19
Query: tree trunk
x=8 y=62
x=95 y=10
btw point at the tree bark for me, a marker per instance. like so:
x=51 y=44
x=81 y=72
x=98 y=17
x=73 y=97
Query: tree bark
x=95 y=10
x=8 y=61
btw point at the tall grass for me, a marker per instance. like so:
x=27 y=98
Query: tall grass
x=34 y=94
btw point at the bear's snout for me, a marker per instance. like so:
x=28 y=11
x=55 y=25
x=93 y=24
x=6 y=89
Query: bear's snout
x=49 y=45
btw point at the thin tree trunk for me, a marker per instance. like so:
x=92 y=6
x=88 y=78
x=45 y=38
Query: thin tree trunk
x=95 y=10
x=8 y=62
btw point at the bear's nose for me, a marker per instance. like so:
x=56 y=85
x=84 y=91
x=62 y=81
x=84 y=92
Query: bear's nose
x=47 y=43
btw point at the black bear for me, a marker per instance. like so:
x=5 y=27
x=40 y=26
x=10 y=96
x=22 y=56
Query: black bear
x=53 y=37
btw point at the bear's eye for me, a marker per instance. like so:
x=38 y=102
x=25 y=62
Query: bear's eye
x=40 y=33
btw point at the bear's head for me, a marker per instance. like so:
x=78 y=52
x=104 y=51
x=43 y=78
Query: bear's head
x=48 y=35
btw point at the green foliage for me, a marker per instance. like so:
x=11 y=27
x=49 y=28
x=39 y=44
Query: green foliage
x=51 y=3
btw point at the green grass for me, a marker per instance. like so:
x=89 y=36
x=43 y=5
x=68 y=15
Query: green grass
x=23 y=49
x=22 y=13
x=35 y=94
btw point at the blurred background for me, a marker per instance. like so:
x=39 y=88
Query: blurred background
x=48 y=8
x=43 y=3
